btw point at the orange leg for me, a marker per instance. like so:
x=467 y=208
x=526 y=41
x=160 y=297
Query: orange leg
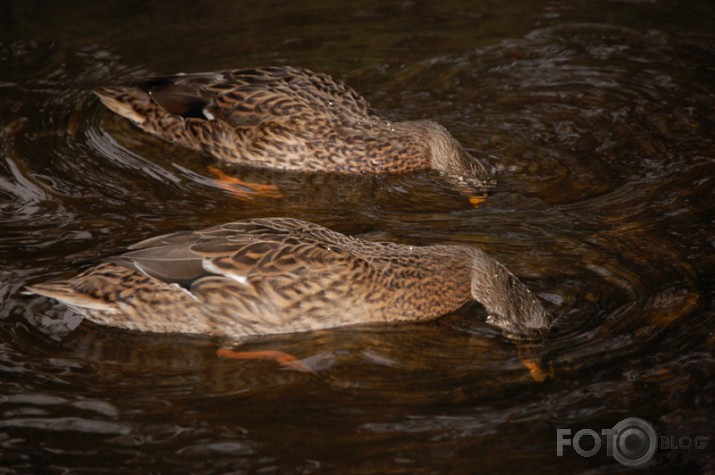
x=242 y=189
x=284 y=359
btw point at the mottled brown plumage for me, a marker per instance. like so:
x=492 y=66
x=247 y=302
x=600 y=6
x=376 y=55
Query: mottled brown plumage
x=290 y=119
x=279 y=275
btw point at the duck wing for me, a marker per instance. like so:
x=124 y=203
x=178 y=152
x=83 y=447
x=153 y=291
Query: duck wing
x=289 y=259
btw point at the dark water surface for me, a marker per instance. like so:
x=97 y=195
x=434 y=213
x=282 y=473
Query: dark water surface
x=599 y=116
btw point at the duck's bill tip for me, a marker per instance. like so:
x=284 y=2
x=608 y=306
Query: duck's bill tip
x=478 y=200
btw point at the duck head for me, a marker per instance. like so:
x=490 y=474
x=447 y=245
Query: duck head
x=511 y=306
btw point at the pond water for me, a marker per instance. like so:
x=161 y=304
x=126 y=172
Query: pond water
x=600 y=119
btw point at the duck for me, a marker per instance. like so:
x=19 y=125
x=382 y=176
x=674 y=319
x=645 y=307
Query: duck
x=267 y=276
x=290 y=119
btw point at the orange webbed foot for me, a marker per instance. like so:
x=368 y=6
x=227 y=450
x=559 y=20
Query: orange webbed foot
x=284 y=359
x=242 y=189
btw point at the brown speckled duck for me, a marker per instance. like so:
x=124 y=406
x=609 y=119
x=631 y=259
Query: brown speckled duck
x=279 y=275
x=290 y=119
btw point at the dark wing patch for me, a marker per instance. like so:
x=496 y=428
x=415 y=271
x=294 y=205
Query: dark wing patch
x=184 y=105
x=183 y=95
x=172 y=263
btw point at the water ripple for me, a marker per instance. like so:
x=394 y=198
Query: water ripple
x=603 y=137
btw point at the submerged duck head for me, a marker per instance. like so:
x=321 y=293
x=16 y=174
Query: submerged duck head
x=449 y=158
x=511 y=306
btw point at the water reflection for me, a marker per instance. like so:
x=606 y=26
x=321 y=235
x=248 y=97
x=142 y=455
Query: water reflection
x=603 y=136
